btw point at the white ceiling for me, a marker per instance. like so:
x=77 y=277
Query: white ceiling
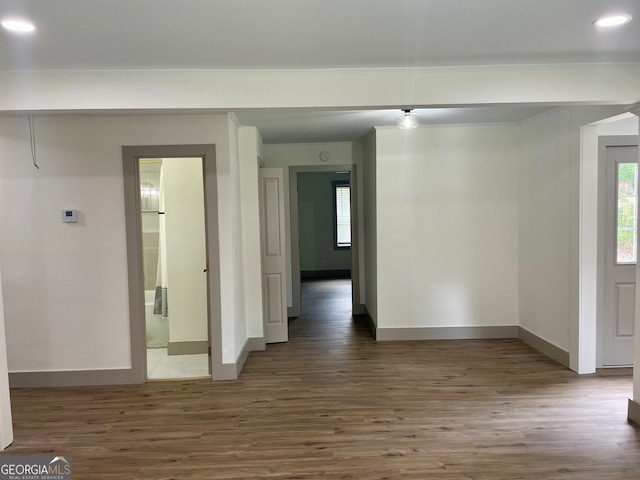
x=319 y=34
x=312 y=126
x=303 y=34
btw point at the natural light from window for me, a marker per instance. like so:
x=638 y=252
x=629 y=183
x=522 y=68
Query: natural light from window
x=627 y=202
x=343 y=215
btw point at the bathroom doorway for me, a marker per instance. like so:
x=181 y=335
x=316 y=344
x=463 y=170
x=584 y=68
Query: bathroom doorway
x=174 y=262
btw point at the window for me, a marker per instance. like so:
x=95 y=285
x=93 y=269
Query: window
x=627 y=205
x=342 y=214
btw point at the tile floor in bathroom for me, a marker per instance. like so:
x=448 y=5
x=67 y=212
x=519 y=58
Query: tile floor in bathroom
x=161 y=366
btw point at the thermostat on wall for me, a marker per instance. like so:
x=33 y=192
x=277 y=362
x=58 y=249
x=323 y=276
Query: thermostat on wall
x=69 y=216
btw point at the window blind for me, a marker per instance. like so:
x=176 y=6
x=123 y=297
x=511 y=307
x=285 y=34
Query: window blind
x=343 y=215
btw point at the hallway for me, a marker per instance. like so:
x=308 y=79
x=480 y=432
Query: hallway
x=326 y=313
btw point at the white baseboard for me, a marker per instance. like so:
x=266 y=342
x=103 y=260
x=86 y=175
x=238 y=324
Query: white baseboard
x=472 y=333
x=251 y=345
x=188 y=348
x=634 y=412
x=446 y=333
x=544 y=346
x=81 y=378
x=74 y=378
x=231 y=371
x=369 y=318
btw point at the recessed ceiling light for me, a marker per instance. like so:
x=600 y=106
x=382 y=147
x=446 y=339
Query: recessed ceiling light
x=612 y=20
x=18 y=25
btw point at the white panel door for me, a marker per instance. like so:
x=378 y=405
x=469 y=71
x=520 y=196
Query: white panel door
x=186 y=255
x=620 y=254
x=273 y=254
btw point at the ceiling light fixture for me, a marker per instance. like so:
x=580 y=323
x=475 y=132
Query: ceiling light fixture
x=18 y=25
x=613 y=20
x=407 y=120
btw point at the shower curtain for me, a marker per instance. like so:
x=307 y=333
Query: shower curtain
x=160 y=304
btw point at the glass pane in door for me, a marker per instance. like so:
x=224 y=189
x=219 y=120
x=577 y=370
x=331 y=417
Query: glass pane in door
x=627 y=207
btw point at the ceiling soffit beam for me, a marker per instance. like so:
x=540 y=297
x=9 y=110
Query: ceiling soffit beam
x=343 y=89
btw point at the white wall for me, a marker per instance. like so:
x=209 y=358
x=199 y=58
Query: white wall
x=545 y=227
x=583 y=187
x=284 y=156
x=186 y=252
x=627 y=125
x=6 y=423
x=237 y=285
x=447 y=226
x=65 y=286
x=250 y=151
x=316 y=223
x=370 y=252
x=558 y=229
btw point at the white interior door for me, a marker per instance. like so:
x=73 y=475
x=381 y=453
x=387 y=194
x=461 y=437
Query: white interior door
x=621 y=214
x=186 y=256
x=273 y=254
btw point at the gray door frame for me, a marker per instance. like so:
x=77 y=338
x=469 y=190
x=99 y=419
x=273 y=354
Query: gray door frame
x=351 y=168
x=133 y=220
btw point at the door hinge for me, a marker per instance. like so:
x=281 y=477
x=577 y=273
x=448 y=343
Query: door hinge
x=209 y=350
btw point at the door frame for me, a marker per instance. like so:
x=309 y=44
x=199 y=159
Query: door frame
x=604 y=141
x=135 y=270
x=351 y=168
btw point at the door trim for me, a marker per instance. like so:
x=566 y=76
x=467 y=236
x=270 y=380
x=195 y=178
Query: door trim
x=604 y=141
x=294 y=310
x=133 y=219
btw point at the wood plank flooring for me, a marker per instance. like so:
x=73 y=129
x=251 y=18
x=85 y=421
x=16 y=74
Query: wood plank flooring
x=334 y=404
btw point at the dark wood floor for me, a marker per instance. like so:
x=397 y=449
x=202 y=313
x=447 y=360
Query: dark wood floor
x=333 y=404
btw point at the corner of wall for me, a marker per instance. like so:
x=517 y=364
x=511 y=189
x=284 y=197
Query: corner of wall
x=6 y=425
x=633 y=412
x=369 y=223
x=239 y=291
x=250 y=210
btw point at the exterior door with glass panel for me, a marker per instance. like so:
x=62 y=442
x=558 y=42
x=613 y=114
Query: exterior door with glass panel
x=621 y=252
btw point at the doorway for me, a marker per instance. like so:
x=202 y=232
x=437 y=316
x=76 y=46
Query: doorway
x=620 y=162
x=324 y=230
x=174 y=264
x=325 y=314
x=170 y=199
